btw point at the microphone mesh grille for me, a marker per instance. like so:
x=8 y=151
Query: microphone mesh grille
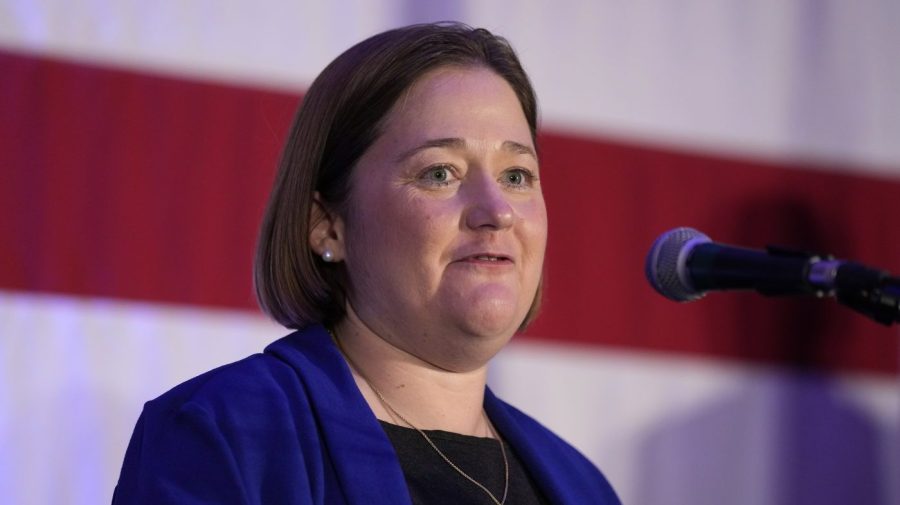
x=665 y=262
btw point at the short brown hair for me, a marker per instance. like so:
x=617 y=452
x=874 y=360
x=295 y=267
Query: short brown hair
x=339 y=119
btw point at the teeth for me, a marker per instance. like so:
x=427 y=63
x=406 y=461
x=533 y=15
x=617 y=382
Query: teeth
x=487 y=258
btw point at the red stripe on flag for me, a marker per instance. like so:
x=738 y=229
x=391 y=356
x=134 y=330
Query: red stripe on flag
x=609 y=201
x=129 y=185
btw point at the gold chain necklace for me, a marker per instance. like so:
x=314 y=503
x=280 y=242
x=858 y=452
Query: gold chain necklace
x=428 y=439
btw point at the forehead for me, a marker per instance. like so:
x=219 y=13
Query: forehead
x=464 y=102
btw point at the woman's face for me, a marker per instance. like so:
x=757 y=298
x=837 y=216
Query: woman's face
x=445 y=236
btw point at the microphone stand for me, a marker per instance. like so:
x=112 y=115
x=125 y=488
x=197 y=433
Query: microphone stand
x=871 y=292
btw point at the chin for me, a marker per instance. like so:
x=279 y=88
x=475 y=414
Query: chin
x=494 y=320
x=489 y=310
x=481 y=341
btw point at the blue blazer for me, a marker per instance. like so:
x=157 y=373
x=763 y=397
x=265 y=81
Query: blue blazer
x=289 y=426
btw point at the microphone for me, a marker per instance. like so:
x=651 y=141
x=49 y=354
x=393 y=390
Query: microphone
x=684 y=264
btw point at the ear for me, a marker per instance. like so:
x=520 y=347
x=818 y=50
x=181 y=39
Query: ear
x=326 y=230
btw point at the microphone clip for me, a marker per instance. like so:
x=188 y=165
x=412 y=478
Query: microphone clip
x=871 y=292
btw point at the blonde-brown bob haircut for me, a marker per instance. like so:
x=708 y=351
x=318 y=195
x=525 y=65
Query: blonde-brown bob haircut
x=340 y=117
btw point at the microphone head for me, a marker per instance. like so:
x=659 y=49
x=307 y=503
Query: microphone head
x=666 y=266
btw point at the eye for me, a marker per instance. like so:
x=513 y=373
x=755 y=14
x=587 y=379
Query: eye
x=518 y=177
x=438 y=175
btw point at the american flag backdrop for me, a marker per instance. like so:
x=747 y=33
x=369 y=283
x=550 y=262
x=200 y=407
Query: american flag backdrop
x=138 y=142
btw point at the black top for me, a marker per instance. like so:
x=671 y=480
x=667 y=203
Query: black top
x=432 y=481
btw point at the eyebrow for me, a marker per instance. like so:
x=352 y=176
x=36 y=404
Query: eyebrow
x=447 y=143
x=458 y=143
x=515 y=147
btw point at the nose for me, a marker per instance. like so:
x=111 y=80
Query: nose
x=488 y=205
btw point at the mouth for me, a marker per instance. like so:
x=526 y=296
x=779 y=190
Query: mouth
x=487 y=258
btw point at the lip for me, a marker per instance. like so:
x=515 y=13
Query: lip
x=486 y=258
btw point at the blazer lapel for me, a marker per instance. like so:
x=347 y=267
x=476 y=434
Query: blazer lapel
x=365 y=463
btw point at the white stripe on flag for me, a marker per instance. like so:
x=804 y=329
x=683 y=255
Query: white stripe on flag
x=79 y=369
x=814 y=80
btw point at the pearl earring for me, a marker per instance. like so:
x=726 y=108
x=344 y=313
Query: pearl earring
x=327 y=256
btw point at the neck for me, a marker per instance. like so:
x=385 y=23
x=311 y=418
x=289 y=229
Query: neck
x=426 y=396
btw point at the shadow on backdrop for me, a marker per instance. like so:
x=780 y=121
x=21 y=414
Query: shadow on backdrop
x=779 y=438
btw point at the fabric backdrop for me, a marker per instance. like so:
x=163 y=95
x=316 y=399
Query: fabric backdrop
x=138 y=142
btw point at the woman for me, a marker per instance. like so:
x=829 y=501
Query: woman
x=404 y=240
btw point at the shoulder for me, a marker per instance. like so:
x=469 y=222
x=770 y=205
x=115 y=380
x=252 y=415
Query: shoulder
x=540 y=435
x=263 y=387
x=257 y=379
x=562 y=470
x=218 y=436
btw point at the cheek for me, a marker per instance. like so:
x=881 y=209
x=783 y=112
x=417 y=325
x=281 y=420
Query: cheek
x=533 y=215
x=427 y=228
x=404 y=231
